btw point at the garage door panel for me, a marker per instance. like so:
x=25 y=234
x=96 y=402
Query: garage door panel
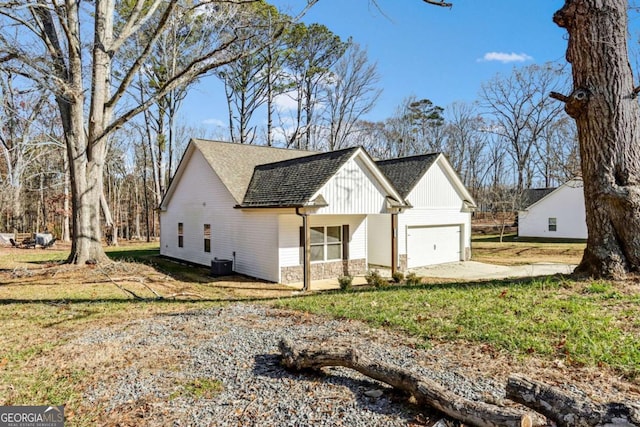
x=431 y=245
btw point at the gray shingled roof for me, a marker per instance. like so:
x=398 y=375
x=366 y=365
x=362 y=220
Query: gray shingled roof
x=293 y=182
x=234 y=163
x=405 y=172
x=532 y=195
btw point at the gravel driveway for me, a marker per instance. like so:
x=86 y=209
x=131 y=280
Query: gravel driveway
x=237 y=345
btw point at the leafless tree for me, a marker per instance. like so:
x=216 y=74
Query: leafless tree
x=464 y=140
x=47 y=41
x=350 y=92
x=604 y=105
x=520 y=108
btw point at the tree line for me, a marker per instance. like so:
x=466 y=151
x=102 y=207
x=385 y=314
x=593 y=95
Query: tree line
x=512 y=138
x=104 y=81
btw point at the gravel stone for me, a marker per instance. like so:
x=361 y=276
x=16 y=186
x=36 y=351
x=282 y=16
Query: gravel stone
x=238 y=346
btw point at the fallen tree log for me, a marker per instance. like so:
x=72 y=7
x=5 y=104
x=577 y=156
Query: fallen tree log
x=567 y=411
x=424 y=390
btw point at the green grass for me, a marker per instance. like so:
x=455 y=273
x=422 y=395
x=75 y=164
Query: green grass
x=199 y=388
x=590 y=324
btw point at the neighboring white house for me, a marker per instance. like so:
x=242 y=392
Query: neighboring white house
x=268 y=210
x=559 y=214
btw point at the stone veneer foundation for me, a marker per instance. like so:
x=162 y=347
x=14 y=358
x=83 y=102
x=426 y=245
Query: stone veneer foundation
x=402 y=262
x=324 y=270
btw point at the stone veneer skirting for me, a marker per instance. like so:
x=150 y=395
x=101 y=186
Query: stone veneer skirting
x=402 y=262
x=324 y=270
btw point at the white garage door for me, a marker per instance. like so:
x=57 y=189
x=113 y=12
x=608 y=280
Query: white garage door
x=432 y=245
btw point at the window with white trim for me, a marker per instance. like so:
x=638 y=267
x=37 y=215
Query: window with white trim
x=326 y=243
x=180 y=235
x=207 y=237
x=553 y=224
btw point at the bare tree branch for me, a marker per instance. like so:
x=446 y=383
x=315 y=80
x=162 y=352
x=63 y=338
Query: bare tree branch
x=438 y=3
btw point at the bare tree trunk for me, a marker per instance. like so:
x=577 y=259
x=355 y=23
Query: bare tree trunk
x=85 y=150
x=568 y=411
x=66 y=235
x=605 y=107
x=145 y=192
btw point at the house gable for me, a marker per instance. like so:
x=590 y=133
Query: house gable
x=233 y=163
x=440 y=188
x=333 y=182
x=358 y=187
x=406 y=172
x=427 y=180
x=293 y=182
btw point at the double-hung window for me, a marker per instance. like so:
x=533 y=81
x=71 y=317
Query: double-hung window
x=326 y=243
x=553 y=224
x=180 y=235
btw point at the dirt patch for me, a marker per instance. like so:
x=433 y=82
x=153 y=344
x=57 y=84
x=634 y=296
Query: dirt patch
x=518 y=253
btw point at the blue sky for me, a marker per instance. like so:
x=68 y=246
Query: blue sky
x=431 y=52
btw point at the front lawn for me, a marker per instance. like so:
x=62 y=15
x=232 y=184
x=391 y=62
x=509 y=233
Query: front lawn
x=592 y=323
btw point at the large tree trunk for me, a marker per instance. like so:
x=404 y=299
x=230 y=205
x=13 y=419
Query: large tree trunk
x=86 y=154
x=86 y=190
x=604 y=106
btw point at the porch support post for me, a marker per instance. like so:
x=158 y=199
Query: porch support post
x=394 y=243
x=306 y=268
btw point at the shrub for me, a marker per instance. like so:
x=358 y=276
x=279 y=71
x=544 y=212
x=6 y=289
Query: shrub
x=413 y=279
x=398 y=276
x=345 y=282
x=373 y=278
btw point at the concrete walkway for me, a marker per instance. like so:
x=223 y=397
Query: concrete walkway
x=473 y=270
x=467 y=270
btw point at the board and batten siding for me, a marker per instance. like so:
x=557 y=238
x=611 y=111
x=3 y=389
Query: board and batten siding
x=289 y=236
x=201 y=198
x=436 y=202
x=353 y=190
x=566 y=205
x=435 y=190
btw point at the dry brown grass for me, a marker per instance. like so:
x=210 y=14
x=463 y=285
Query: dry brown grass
x=517 y=252
x=47 y=305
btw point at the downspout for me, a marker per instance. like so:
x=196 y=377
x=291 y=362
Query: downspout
x=306 y=251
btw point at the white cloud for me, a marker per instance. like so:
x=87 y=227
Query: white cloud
x=286 y=101
x=506 y=57
x=214 y=122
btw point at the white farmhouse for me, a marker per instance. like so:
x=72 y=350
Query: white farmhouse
x=559 y=214
x=288 y=215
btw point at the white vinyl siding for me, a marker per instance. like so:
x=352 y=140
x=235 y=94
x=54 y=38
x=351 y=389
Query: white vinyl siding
x=435 y=190
x=353 y=190
x=379 y=241
x=436 y=203
x=200 y=198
